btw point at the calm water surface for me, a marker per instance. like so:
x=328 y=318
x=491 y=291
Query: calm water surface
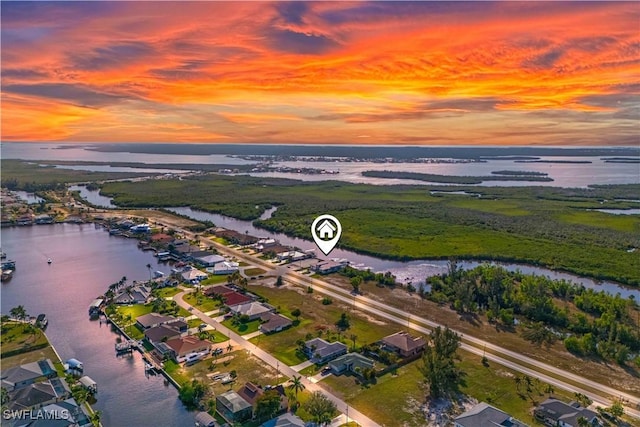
x=85 y=261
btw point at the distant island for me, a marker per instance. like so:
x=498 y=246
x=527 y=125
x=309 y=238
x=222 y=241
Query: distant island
x=453 y=179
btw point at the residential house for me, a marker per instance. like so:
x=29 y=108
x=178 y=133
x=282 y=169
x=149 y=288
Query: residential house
x=327 y=267
x=49 y=416
x=203 y=419
x=555 y=412
x=273 y=322
x=233 y=408
x=321 y=351
x=285 y=420
x=39 y=394
x=485 y=415
x=165 y=332
x=252 y=309
x=151 y=320
x=184 y=346
x=404 y=344
x=209 y=260
x=134 y=295
x=234 y=298
x=250 y=392
x=351 y=362
x=225 y=267
x=292 y=256
x=193 y=275
x=217 y=290
x=160 y=238
x=235 y=237
x=29 y=373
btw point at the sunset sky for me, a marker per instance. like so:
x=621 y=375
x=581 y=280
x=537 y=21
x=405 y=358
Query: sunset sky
x=512 y=73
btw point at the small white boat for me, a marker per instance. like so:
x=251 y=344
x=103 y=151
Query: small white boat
x=49 y=261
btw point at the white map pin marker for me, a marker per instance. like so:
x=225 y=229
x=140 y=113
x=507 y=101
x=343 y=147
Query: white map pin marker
x=326 y=231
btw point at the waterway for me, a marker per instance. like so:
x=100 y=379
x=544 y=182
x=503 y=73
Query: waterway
x=85 y=261
x=412 y=271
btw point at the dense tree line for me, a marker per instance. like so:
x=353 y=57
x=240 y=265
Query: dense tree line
x=603 y=325
x=382 y=279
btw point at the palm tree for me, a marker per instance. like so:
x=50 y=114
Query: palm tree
x=229 y=347
x=296 y=385
x=149 y=268
x=354 y=338
x=518 y=381
x=95 y=418
x=19 y=313
x=583 y=422
x=549 y=389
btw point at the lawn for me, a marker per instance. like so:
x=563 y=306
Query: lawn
x=242 y=328
x=166 y=292
x=254 y=271
x=247 y=367
x=214 y=280
x=201 y=302
x=134 y=311
x=15 y=336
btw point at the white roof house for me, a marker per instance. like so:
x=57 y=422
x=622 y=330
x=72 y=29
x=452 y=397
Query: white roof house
x=252 y=309
x=210 y=260
x=193 y=275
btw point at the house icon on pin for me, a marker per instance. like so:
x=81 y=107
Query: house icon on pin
x=326 y=230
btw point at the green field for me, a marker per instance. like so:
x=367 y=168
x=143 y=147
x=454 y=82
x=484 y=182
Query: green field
x=536 y=225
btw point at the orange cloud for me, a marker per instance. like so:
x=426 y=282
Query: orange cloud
x=440 y=72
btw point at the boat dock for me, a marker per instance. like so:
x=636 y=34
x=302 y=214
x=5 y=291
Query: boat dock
x=126 y=346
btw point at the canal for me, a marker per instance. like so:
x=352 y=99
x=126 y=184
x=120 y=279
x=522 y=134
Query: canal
x=85 y=261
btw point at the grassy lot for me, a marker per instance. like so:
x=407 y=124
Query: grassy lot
x=214 y=280
x=201 y=302
x=393 y=400
x=20 y=336
x=247 y=367
x=254 y=271
x=166 y=292
x=134 y=311
x=242 y=329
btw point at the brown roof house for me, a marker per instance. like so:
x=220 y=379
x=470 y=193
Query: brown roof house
x=184 y=346
x=404 y=344
x=250 y=392
x=273 y=322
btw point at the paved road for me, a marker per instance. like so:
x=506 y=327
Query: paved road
x=470 y=343
x=287 y=371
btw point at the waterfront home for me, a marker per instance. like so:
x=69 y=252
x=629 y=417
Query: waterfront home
x=351 y=362
x=38 y=394
x=403 y=344
x=193 y=275
x=225 y=267
x=75 y=415
x=165 y=332
x=133 y=295
x=292 y=256
x=208 y=260
x=182 y=347
x=554 y=412
x=151 y=320
x=321 y=351
x=285 y=420
x=160 y=239
x=485 y=415
x=273 y=322
x=233 y=408
x=252 y=309
x=29 y=373
x=327 y=267
x=203 y=419
x=235 y=237
x=251 y=392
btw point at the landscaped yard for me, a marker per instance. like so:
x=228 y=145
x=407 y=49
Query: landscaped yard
x=166 y=292
x=242 y=328
x=202 y=302
x=214 y=280
x=19 y=335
